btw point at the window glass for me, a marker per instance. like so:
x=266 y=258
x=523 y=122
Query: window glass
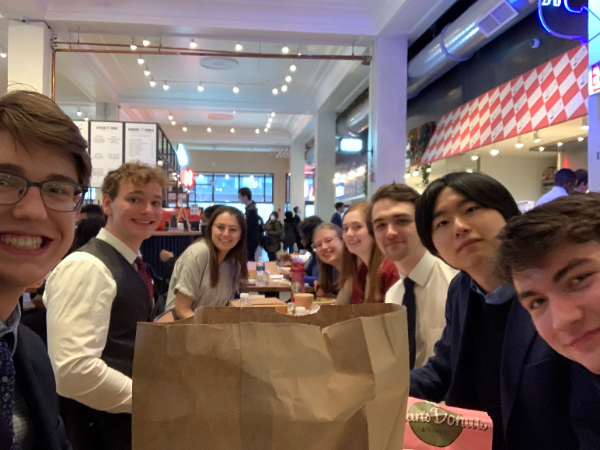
x=226 y=188
x=256 y=184
x=265 y=210
x=309 y=190
x=309 y=210
x=268 y=188
x=203 y=188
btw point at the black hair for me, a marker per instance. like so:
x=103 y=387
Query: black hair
x=296 y=209
x=582 y=176
x=245 y=192
x=206 y=214
x=86 y=230
x=338 y=205
x=307 y=229
x=565 y=177
x=477 y=187
x=289 y=216
x=92 y=210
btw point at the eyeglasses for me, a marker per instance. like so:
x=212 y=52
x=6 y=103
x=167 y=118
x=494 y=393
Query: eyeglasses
x=63 y=196
x=222 y=227
x=327 y=241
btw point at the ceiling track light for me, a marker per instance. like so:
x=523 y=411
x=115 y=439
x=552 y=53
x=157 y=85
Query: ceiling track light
x=166 y=86
x=519 y=142
x=268 y=125
x=209 y=129
x=580 y=139
x=147 y=71
x=193 y=45
x=184 y=129
x=140 y=60
x=288 y=79
x=170 y=116
x=2 y=54
x=293 y=68
x=146 y=42
x=86 y=118
x=152 y=82
x=275 y=91
x=560 y=144
x=238 y=47
x=284 y=88
x=542 y=149
x=585 y=123
x=269 y=120
x=133 y=47
x=173 y=123
x=285 y=50
x=79 y=113
x=494 y=152
x=232 y=130
x=236 y=90
x=536 y=137
x=200 y=87
x=273 y=114
x=266 y=130
x=257 y=131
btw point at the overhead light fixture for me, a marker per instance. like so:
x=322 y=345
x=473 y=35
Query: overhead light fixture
x=146 y=42
x=288 y=79
x=160 y=163
x=266 y=130
x=293 y=68
x=232 y=130
x=238 y=47
x=351 y=145
x=536 y=137
x=166 y=86
x=140 y=61
x=234 y=112
x=269 y=120
x=584 y=123
x=415 y=173
x=428 y=170
x=494 y=152
x=147 y=72
x=474 y=157
x=542 y=149
x=200 y=87
x=560 y=144
x=273 y=114
x=184 y=129
x=580 y=139
x=173 y=123
x=79 y=113
x=170 y=116
x=275 y=91
x=257 y=131
x=407 y=175
x=268 y=125
x=193 y=44
x=519 y=142
x=133 y=46
x=86 y=118
x=209 y=129
x=284 y=88
x=236 y=89
x=227 y=176
x=285 y=49
x=361 y=170
x=2 y=54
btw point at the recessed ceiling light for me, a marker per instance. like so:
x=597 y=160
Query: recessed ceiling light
x=288 y=79
x=474 y=157
x=284 y=88
x=184 y=129
x=275 y=91
x=232 y=130
x=293 y=68
x=200 y=87
x=146 y=42
x=238 y=47
x=407 y=175
x=257 y=131
x=580 y=139
x=285 y=49
x=494 y=152
x=236 y=89
x=209 y=129
x=193 y=44
x=140 y=61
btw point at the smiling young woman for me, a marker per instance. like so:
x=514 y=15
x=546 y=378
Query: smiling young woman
x=329 y=247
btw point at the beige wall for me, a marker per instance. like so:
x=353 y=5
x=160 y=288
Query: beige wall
x=244 y=162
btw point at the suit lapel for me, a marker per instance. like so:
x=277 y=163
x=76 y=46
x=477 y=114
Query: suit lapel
x=518 y=337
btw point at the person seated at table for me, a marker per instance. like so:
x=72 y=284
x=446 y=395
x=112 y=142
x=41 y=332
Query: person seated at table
x=209 y=271
x=371 y=279
x=307 y=229
x=330 y=249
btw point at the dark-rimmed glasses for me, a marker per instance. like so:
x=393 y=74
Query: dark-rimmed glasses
x=62 y=196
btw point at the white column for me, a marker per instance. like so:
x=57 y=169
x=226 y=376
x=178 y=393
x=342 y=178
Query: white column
x=297 y=176
x=387 y=95
x=29 y=57
x=593 y=104
x=107 y=111
x=324 y=164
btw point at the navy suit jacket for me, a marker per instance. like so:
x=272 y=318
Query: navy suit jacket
x=36 y=383
x=535 y=380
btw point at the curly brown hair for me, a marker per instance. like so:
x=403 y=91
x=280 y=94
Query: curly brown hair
x=528 y=239
x=137 y=173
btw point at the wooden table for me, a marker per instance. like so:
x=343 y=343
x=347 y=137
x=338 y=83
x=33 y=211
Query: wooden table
x=271 y=287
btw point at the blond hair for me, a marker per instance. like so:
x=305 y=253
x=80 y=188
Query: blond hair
x=135 y=172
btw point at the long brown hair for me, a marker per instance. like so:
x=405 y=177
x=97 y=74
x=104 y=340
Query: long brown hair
x=237 y=253
x=328 y=284
x=375 y=264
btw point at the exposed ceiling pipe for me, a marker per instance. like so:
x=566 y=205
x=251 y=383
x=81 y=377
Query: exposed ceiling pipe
x=458 y=41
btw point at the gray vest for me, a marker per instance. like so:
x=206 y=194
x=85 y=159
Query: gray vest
x=130 y=306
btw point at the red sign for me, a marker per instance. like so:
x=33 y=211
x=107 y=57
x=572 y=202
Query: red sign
x=594 y=82
x=187 y=178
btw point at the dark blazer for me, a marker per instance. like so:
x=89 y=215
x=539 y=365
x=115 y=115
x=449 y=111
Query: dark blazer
x=36 y=381
x=337 y=219
x=254 y=225
x=535 y=380
x=585 y=411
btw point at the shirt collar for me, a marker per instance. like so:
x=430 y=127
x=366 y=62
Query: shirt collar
x=119 y=245
x=499 y=296
x=560 y=189
x=10 y=326
x=421 y=271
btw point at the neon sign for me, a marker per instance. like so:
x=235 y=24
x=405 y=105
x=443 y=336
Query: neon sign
x=566 y=19
x=594 y=79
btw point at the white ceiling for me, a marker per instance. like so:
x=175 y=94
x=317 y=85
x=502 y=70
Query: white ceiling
x=323 y=27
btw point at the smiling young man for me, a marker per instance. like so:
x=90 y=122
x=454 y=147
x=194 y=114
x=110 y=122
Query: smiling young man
x=552 y=256
x=44 y=168
x=423 y=286
x=490 y=357
x=95 y=298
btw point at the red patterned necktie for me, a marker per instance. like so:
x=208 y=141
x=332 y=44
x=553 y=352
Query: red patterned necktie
x=145 y=274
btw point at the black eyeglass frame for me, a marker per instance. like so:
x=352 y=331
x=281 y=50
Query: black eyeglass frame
x=39 y=185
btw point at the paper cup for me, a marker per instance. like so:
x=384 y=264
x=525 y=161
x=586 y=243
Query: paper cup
x=303 y=300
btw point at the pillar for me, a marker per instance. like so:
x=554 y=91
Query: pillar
x=593 y=103
x=387 y=119
x=324 y=164
x=29 y=57
x=297 y=176
x=107 y=111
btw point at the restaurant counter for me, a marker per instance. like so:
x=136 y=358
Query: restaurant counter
x=173 y=241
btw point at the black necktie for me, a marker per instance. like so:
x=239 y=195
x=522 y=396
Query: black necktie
x=7 y=396
x=410 y=302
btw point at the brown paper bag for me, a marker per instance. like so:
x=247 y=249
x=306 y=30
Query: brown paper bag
x=255 y=379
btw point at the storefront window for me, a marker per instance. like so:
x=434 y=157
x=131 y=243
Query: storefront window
x=226 y=188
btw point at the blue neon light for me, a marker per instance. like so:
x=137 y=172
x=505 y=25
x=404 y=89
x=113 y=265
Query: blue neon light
x=571 y=10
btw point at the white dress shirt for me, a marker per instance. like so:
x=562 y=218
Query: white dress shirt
x=79 y=296
x=432 y=277
x=552 y=194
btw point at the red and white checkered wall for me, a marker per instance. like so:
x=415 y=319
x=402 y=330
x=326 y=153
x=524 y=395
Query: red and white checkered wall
x=552 y=93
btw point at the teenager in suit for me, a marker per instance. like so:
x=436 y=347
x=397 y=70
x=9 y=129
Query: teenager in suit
x=44 y=168
x=95 y=297
x=490 y=356
x=552 y=256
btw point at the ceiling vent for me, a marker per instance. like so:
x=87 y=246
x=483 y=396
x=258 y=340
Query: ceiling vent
x=501 y=14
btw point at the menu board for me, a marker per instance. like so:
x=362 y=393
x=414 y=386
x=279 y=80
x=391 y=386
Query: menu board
x=106 y=149
x=84 y=129
x=140 y=143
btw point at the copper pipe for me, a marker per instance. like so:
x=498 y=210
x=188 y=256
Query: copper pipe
x=141 y=47
x=53 y=88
